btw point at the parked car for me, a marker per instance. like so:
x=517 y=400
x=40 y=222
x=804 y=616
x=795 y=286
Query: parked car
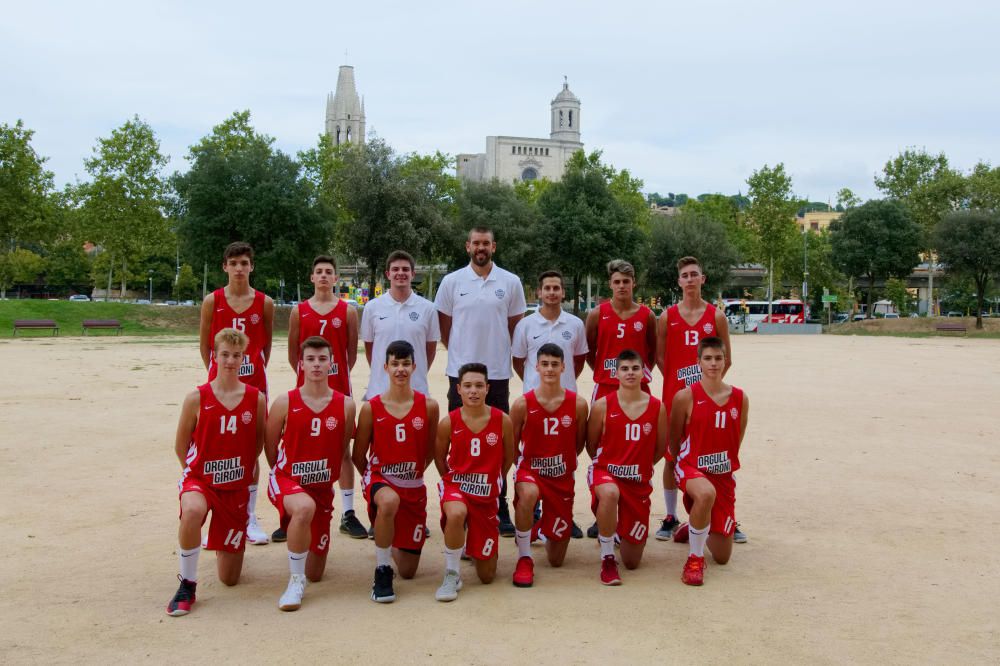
x=859 y=316
x=170 y=302
x=142 y=301
x=79 y=297
x=187 y=303
x=842 y=317
x=955 y=313
x=891 y=315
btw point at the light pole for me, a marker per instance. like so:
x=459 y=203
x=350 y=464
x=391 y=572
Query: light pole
x=150 y=285
x=805 y=272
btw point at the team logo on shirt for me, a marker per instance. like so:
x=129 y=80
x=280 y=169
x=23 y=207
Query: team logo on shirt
x=499 y=293
x=566 y=421
x=418 y=423
x=336 y=322
x=567 y=335
x=708 y=329
x=647 y=428
x=255 y=318
x=637 y=326
x=247 y=417
x=734 y=413
x=331 y=423
x=414 y=316
x=492 y=439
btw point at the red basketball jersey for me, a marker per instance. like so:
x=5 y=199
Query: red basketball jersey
x=333 y=328
x=548 y=439
x=615 y=335
x=312 y=445
x=713 y=433
x=475 y=459
x=627 y=446
x=251 y=322
x=398 y=451
x=682 y=369
x=223 y=448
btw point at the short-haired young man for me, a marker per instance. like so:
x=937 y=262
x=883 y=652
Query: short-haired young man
x=220 y=433
x=328 y=316
x=240 y=306
x=707 y=422
x=308 y=429
x=679 y=330
x=550 y=424
x=392 y=448
x=474 y=450
x=626 y=436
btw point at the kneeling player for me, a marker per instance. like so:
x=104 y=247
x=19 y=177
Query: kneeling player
x=307 y=431
x=713 y=416
x=474 y=450
x=626 y=435
x=392 y=450
x=549 y=422
x=219 y=436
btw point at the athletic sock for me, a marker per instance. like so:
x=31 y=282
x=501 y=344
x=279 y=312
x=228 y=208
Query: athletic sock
x=697 y=539
x=347 y=499
x=252 y=503
x=670 y=499
x=297 y=563
x=607 y=545
x=383 y=557
x=523 y=541
x=452 y=557
x=189 y=563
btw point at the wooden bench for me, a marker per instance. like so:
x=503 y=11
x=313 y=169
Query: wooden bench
x=103 y=324
x=35 y=324
x=951 y=328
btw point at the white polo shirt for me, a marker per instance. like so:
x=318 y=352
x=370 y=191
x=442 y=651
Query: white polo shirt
x=479 y=309
x=535 y=330
x=386 y=320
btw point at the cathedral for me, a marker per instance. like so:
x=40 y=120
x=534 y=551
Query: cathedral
x=345 y=111
x=514 y=158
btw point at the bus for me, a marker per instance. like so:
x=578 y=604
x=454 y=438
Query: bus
x=750 y=313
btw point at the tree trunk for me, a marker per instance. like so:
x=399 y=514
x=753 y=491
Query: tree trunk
x=111 y=265
x=980 y=297
x=576 y=295
x=871 y=288
x=124 y=267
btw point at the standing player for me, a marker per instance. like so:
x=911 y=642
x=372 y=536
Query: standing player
x=617 y=325
x=713 y=416
x=678 y=331
x=474 y=450
x=549 y=422
x=308 y=429
x=399 y=314
x=478 y=307
x=626 y=436
x=328 y=316
x=391 y=450
x=240 y=306
x=219 y=436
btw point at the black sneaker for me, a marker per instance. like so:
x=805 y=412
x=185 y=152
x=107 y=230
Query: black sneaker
x=592 y=531
x=279 y=536
x=667 y=527
x=183 y=599
x=382 y=587
x=577 y=532
x=506 y=527
x=352 y=527
x=738 y=535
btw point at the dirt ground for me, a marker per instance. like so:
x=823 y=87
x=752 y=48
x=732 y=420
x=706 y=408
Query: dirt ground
x=869 y=493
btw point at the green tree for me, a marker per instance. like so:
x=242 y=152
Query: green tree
x=895 y=291
x=771 y=212
x=969 y=245
x=19 y=267
x=67 y=265
x=25 y=188
x=726 y=211
x=847 y=199
x=819 y=262
x=876 y=240
x=984 y=187
x=186 y=287
x=689 y=234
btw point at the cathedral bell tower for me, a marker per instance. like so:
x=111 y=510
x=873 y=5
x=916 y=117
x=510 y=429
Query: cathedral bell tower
x=345 y=111
x=565 y=116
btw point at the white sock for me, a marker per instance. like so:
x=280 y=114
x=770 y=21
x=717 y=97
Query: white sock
x=189 y=563
x=347 y=499
x=252 y=503
x=297 y=563
x=383 y=557
x=523 y=541
x=697 y=539
x=607 y=545
x=670 y=499
x=452 y=557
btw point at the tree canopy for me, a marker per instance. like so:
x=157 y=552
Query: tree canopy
x=969 y=246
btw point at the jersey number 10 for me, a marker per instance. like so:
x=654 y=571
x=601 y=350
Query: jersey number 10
x=632 y=432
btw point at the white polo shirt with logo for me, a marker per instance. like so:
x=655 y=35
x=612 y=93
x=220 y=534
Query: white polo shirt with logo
x=535 y=330
x=386 y=320
x=479 y=309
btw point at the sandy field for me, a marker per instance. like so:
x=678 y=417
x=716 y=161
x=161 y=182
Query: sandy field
x=869 y=492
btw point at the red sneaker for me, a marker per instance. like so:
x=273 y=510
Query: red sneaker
x=681 y=534
x=609 y=571
x=524 y=572
x=183 y=598
x=694 y=571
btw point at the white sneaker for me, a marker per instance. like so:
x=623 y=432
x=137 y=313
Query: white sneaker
x=292 y=598
x=255 y=535
x=450 y=586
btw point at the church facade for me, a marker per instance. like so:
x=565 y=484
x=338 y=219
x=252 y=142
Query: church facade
x=514 y=158
x=345 y=110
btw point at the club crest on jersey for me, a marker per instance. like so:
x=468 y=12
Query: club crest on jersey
x=566 y=421
x=499 y=293
x=637 y=326
x=492 y=439
x=247 y=417
x=418 y=423
x=331 y=423
x=707 y=328
x=566 y=335
x=734 y=413
x=414 y=316
x=255 y=318
x=336 y=322
x=647 y=428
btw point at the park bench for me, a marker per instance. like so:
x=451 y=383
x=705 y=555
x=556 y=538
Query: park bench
x=35 y=324
x=950 y=328
x=102 y=324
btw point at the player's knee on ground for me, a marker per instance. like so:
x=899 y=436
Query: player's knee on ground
x=721 y=548
x=315 y=566
x=387 y=501
x=631 y=554
x=229 y=567
x=406 y=563
x=487 y=570
x=556 y=552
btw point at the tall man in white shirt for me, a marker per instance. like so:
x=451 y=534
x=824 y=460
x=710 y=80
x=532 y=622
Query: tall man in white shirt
x=478 y=307
x=399 y=314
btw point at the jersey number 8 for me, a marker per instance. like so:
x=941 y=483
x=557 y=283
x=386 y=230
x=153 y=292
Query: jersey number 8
x=474 y=446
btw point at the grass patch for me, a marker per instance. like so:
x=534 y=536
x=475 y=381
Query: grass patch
x=917 y=327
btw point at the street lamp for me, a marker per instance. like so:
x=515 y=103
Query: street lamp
x=805 y=271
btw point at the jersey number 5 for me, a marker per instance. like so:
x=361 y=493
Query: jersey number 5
x=621 y=331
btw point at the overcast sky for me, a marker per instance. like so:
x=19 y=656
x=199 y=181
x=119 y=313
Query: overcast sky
x=691 y=97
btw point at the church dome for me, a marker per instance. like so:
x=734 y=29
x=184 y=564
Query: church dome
x=566 y=95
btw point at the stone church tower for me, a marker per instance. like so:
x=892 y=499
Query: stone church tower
x=345 y=111
x=565 y=116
